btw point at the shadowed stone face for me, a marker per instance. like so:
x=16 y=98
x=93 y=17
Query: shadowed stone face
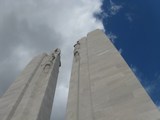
x=103 y=87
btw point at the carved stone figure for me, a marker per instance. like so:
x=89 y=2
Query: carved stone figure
x=50 y=60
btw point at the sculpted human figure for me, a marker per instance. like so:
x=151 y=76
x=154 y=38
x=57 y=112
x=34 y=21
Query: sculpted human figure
x=76 y=50
x=49 y=62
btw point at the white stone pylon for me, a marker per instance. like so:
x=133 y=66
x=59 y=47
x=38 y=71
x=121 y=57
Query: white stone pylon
x=103 y=87
x=30 y=97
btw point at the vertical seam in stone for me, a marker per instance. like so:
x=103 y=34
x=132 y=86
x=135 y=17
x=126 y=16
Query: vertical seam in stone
x=52 y=70
x=91 y=102
x=78 y=88
x=23 y=91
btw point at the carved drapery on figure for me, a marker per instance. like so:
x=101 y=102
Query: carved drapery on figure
x=50 y=60
x=76 y=50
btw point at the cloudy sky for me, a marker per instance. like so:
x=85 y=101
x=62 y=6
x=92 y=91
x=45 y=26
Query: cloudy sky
x=30 y=27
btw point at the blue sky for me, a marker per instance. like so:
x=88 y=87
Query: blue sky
x=135 y=29
x=30 y=27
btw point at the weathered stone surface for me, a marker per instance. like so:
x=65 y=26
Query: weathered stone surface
x=103 y=87
x=30 y=97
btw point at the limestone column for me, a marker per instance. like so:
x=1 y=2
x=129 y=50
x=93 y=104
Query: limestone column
x=103 y=87
x=30 y=97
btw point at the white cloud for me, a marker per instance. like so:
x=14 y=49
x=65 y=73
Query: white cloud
x=134 y=68
x=149 y=89
x=112 y=37
x=157 y=76
x=29 y=27
x=129 y=17
x=114 y=8
x=137 y=72
x=120 y=50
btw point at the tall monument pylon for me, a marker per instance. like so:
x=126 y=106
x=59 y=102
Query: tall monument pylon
x=103 y=87
x=30 y=97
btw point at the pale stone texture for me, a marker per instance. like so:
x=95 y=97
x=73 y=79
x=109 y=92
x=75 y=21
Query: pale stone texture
x=30 y=97
x=103 y=87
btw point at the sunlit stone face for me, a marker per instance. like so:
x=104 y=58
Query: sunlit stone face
x=103 y=87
